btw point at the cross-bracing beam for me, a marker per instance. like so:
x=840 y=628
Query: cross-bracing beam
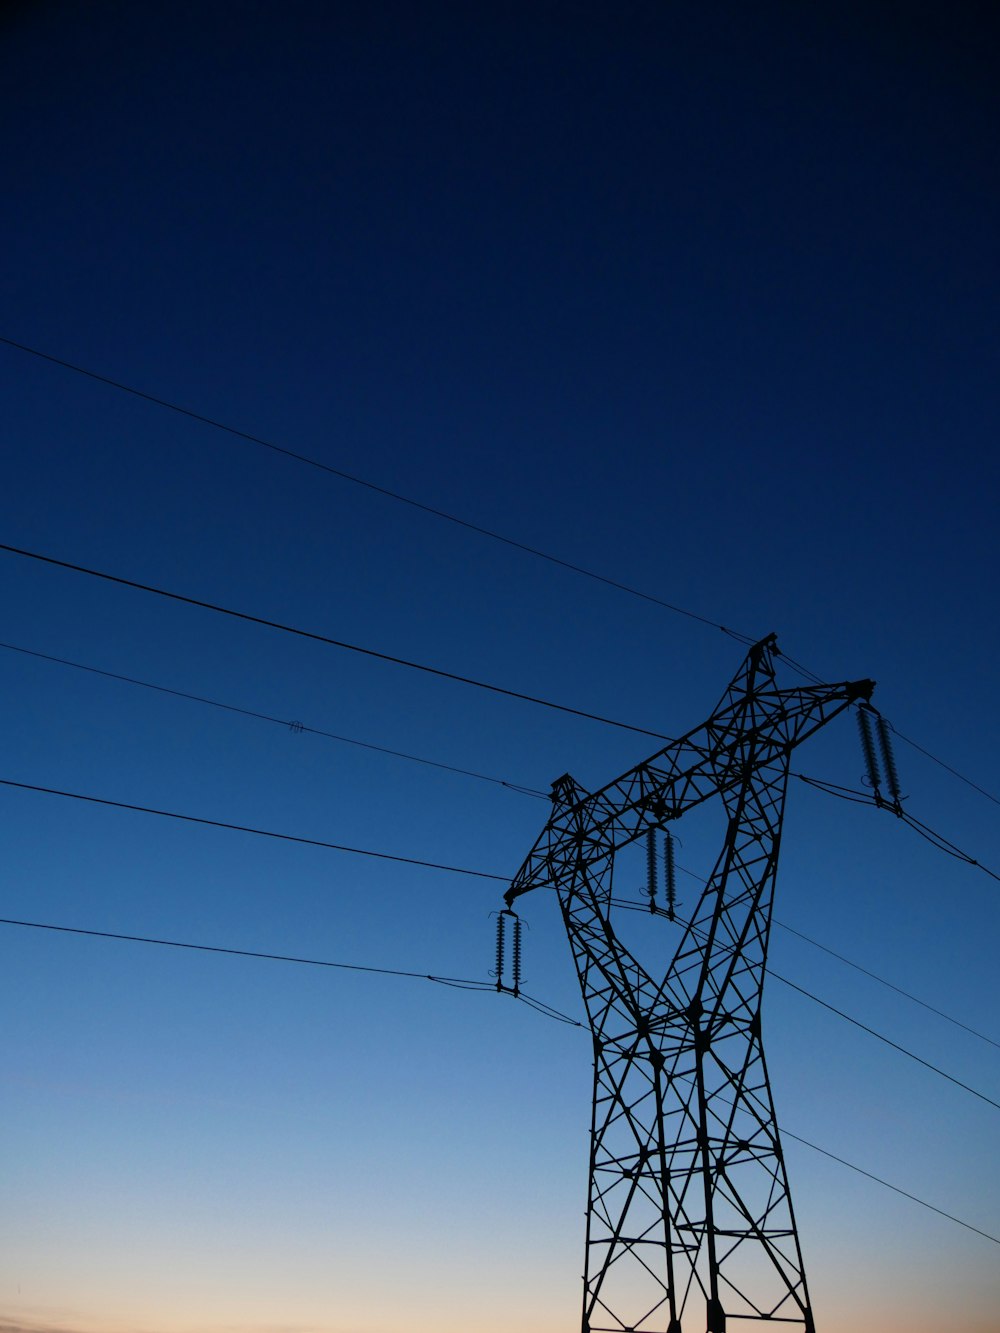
x=689 y=1217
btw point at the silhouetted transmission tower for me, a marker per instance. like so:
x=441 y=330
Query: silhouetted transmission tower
x=689 y=1218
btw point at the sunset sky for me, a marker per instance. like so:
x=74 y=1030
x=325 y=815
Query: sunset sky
x=700 y=298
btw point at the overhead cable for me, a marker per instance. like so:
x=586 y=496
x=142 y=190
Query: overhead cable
x=809 y=995
x=875 y=976
x=372 y=486
x=323 y=638
x=884 y=982
x=943 y=845
x=936 y=839
x=246 y=953
x=435 y=865
x=515 y=787
x=787 y=1134
x=461 y=983
x=947 y=767
x=257 y=832
x=342 y=475
x=888 y=1041
x=633 y=905
x=291 y=725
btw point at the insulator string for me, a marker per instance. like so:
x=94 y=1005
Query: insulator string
x=670 y=875
x=868 y=748
x=651 y=867
x=516 y=965
x=501 y=926
x=888 y=758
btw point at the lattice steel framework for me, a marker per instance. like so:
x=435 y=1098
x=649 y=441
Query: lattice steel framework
x=689 y=1217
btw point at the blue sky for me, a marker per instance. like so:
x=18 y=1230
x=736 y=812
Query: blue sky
x=698 y=298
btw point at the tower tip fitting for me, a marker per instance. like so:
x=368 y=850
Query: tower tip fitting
x=860 y=689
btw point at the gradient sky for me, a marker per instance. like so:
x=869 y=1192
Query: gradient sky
x=702 y=297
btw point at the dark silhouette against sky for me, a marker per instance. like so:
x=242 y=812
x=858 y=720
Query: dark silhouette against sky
x=701 y=298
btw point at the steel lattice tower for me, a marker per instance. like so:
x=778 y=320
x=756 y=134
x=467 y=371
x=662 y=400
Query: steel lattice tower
x=689 y=1217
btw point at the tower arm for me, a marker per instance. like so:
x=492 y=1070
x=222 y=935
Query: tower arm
x=753 y=723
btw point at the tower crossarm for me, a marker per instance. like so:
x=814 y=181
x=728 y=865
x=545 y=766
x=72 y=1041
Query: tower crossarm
x=753 y=724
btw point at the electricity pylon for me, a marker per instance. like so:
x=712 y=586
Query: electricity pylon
x=689 y=1217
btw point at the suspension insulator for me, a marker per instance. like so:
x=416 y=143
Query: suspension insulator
x=670 y=875
x=501 y=931
x=888 y=758
x=868 y=747
x=516 y=960
x=651 y=865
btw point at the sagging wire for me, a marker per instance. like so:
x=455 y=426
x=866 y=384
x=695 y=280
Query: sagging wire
x=295 y=726
x=555 y=1014
x=549 y=1011
x=908 y=740
x=924 y=830
x=840 y=1013
x=633 y=905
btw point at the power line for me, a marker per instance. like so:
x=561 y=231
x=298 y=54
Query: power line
x=214 y=424
x=548 y=1011
x=884 y=982
x=258 y=832
x=888 y=1041
x=323 y=638
x=291 y=725
x=879 y=1180
x=924 y=829
x=635 y=906
x=435 y=865
x=459 y=870
x=342 y=475
x=451 y=768
x=247 y=953
x=462 y=983
x=469 y=773
x=936 y=839
x=809 y=995
x=787 y=1134
x=941 y=763
x=943 y=845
